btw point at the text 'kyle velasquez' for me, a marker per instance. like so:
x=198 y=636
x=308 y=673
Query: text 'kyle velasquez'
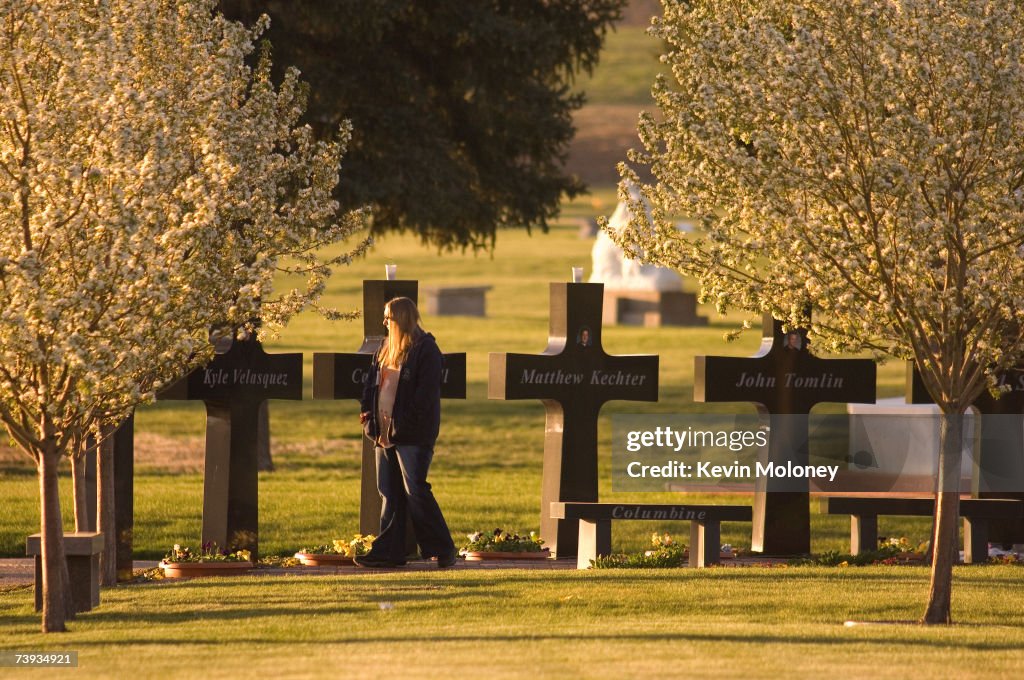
x=243 y=376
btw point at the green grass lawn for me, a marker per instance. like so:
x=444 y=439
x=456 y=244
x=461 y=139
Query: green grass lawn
x=487 y=470
x=657 y=623
x=747 y=622
x=630 y=60
x=487 y=473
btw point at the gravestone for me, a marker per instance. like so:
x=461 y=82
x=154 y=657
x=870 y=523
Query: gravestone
x=233 y=386
x=635 y=293
x=342 y=375
x=652 y=308
x=455 y=300
x=574 y=377
x=1000 y=448
x=784 y=380
x=611 y=266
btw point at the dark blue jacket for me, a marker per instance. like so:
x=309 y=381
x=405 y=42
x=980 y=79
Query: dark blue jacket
x=416 y=417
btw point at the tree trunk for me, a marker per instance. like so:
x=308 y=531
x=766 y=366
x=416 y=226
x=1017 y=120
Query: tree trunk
x=56 y=597
x=79 y=492
x=945 y=541
x=106 y=515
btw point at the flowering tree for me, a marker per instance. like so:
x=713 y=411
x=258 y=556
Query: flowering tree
x=151 y=186
x=862 y=156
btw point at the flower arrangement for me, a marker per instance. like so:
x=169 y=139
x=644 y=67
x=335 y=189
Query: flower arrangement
x=502 y=541
x=901 y=551
x=359 y=545
x=665 y=552
x=664 y=543
x=1006 y=557
x=208 y=552
x=890 y=551
x=337 y=552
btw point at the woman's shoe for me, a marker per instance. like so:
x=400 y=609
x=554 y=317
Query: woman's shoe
x=373 y=562
x=444 y=561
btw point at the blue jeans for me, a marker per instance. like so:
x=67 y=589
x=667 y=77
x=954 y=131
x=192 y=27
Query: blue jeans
x=405 y=493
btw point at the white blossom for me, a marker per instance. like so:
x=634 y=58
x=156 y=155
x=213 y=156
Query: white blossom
x=864 y=157
x=152 y=186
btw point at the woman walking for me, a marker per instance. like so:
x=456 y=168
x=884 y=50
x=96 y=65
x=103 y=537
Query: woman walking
x=401 y=414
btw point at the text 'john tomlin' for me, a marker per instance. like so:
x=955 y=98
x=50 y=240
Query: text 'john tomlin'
x=791 y=380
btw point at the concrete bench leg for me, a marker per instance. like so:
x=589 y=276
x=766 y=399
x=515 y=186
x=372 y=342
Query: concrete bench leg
x=595 y=539
x=863 y=533
x=705 y=546
x=84 y=573
x=975 y=541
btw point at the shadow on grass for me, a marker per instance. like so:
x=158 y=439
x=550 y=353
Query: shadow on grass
x=254 y=599
x=164 y=617
x=8 y=622
x=513 y=578
x=535 y=637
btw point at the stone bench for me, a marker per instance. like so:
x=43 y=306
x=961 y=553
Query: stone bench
x=651 y=308
x=82 y=550
x=455 y=300
x=595 y=525
x=976 y=512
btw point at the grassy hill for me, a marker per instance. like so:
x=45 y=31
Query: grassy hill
x=616 y=92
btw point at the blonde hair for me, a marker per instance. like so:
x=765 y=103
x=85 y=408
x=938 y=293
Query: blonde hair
x=406 y=328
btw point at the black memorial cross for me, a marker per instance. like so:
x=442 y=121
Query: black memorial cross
x=124 y=495
x=999 y=472
x=342 y=375
x=574 y=377
x=121 y=444
x=233 y=386
x=783 y=379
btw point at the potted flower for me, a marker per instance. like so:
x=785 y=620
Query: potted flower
x=338 y=552
x=504 y=545
x=208 y=561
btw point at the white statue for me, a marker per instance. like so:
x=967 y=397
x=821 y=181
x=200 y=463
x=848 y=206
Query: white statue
x=612 y=268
